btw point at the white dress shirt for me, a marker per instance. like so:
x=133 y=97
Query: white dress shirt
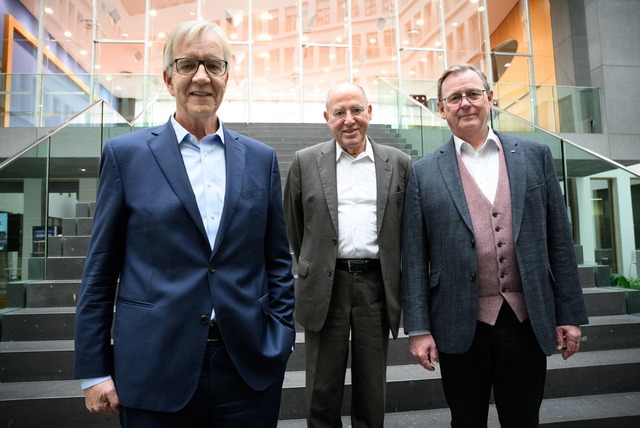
x=483 y=164
x=357 y=204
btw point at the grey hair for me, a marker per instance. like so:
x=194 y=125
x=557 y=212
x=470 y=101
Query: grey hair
x=456 y=68
x=190 y=30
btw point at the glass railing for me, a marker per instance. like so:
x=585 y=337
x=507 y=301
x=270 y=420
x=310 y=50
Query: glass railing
x=603 y=197
x=49 y=100
x=40 y=191
x=559 y=109
x=47 y=189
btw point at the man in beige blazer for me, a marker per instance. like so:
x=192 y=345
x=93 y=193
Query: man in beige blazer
x=343 y=204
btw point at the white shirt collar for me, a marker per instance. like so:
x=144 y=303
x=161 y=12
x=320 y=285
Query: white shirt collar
x=368 y=151
x=463 y=146
x=181 y=132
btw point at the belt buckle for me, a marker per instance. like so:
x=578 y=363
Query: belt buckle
x=356 y=266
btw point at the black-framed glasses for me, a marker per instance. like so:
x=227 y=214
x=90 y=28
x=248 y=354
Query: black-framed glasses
x=189 y=66
x=473 y=96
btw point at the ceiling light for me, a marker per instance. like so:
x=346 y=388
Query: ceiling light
x=48 y=10
x=67 y=34
x=153 y=12
x=372 y=40
x=419 y=21
x=83 y=52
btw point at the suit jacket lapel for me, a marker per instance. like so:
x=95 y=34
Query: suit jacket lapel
x=384 y=170
x=234 y=153
x=448 y=164
x=516 y=169
x=328 y=180
x=166 y=151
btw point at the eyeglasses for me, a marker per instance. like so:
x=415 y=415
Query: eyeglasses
x=190 y=66
x=473 y=96
x=355 y=112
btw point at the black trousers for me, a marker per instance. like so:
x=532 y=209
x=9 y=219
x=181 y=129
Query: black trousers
x=505 y=356
x=221 y=400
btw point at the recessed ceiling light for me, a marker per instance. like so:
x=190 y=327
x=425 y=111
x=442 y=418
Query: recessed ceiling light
x=48 y=10
x=67 y=34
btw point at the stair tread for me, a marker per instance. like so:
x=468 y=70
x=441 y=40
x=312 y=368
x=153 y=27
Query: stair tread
x=553 y=410
x=415 y=372
x=36 y=346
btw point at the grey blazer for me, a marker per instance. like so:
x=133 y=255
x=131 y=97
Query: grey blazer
x=311 y=210
x=439 y=258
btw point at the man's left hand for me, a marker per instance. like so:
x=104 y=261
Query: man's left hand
x=568 y=338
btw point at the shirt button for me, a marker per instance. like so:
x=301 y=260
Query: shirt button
x=495 y=214
x=497 y=228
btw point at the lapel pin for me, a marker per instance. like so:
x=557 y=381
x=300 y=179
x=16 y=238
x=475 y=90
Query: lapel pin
x=513 y=151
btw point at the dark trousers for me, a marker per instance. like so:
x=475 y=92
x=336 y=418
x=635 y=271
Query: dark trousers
x=358 y=310
x=222 y=400
x=506 y=356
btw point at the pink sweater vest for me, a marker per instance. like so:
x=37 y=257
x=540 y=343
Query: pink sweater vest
x=498 y=274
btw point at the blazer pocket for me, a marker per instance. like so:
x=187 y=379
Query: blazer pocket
x=434 y=279
x=396 y=196
x=132 y=302
x=264 y=303
x=254 y=193
x=303 y=267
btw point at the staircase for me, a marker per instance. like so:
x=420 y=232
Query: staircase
x=599 y=386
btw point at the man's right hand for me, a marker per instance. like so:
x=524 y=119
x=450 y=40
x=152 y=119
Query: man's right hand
x=423 y=348
x=102 y=398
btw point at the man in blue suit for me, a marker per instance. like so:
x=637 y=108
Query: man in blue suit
x=189 y=243
x=490 y=279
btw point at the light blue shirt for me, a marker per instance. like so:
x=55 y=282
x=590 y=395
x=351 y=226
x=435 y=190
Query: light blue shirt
x=206 y=168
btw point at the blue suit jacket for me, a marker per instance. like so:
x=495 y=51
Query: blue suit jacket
x=148 y=234
x=439 y=259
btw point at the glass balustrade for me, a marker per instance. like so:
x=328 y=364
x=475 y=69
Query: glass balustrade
x=47 y=191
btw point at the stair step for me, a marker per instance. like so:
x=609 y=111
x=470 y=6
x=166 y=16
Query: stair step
x=61 y=293
x=30 y=324
x=605 y=301
x=593 y=411
x=410 y=388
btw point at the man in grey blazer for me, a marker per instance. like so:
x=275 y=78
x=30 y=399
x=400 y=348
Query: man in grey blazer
x=343 y=204
x=490 y=279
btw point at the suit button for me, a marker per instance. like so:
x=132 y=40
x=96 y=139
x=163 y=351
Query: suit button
x=212 y=268
x=472 y=243
x=472 y=276
x=204 y=320
x=334 y=241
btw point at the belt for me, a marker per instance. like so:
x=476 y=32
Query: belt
x=357 y=265
x=214 y=333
